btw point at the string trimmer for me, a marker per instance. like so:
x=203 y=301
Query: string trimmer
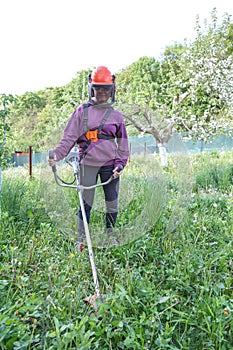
x=72 y=159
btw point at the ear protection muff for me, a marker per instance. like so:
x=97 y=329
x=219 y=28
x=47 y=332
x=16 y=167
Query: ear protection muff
x=91 y=91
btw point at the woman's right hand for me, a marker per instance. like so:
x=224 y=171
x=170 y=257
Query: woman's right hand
x=52 y=158
x=51 y=162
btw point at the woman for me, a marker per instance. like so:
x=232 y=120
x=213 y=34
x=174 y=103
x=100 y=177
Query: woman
x=100 y=133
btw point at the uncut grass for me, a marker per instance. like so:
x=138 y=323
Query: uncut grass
x=142 y=198
x=166 y=290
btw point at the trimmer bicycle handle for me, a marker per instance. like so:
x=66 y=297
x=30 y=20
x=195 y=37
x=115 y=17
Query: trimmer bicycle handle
x=72 y=159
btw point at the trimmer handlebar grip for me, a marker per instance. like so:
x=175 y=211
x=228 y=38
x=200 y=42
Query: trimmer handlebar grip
x=51 y=156
x=120 y=168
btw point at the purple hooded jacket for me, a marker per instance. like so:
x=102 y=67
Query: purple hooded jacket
x=102 y=152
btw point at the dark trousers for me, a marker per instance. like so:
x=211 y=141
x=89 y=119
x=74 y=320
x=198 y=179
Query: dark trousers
x=88 y=177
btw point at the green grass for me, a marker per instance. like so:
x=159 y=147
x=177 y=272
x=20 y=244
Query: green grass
x=169 y=289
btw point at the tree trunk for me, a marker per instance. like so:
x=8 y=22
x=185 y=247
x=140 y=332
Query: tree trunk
x=163 y=153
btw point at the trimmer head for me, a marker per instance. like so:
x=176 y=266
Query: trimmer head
x=91 y=300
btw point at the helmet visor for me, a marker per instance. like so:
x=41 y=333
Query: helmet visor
x=101 y=86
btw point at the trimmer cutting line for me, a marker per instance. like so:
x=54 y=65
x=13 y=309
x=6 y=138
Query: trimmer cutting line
x=72 y=159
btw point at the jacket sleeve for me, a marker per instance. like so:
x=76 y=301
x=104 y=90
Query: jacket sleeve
x=122 y=154
x=72 y=132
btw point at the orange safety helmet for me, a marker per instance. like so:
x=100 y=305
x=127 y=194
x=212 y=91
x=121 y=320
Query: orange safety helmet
x=101 y=76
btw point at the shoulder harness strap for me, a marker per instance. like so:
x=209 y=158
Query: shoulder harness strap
x=106 y=116
x=85 y=119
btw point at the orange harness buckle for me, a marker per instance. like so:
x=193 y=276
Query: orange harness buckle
x=92 y=135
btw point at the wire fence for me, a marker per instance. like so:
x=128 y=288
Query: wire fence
x=138 y=145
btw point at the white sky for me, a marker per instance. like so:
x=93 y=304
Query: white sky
x=45 y=42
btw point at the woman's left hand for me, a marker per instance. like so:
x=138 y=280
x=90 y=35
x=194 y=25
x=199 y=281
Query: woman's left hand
x=117 y=172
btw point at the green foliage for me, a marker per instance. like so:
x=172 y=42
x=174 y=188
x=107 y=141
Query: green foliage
x=38 y=118
x=166 y=290
x=138 y=83
x=24 y=119
x=77 y=90
x=5 y=101
x=206 y=74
